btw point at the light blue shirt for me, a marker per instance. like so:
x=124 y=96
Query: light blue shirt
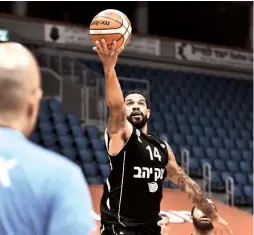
x=41 y=192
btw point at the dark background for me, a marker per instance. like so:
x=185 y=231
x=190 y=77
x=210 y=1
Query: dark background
x=222 y=23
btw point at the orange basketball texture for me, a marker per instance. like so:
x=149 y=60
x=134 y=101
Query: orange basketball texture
x=111 y=25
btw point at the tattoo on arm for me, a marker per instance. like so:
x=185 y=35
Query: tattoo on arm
x=194 y=192
x=116 y=123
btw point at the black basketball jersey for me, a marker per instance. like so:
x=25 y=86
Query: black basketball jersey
x=133 y=190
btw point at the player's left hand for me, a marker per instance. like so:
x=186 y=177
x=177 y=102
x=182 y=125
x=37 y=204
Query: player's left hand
x=221 y=225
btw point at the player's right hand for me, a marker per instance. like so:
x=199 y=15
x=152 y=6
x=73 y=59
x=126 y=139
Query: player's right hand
x=107 y=56
x=221 y=225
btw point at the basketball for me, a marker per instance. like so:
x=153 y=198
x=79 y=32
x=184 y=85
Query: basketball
x=111 y=25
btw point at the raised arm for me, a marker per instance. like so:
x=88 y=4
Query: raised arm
x=118 y=126
x=194 y=192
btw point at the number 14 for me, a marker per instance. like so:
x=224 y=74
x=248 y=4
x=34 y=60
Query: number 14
x=154 y=154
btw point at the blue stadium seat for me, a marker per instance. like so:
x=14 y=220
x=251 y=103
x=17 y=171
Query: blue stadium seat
x=43 y=117
x=219 y=165
x=228 y=124
x=105 y=170
x=205 y=160
x=181 y=119
x=197 y=130
x=240 y=179
x=246 y=135
x=193 y=120
x=45 y=128
x=216 y=122
x=250 y=144
x=247 y=155
x=94 y=180
x=178 y=139
x=92 y=132
x=198 y=152
x=48 y=140
x=222 y=133
x=171 y=128
x=90 y=169
x=229 y=144
x=81 y=143
x=250 y=178
x=35 y=137
x=238 y=125
x=224 y=154
x=211 y=153
x=97 y=145
x=246 y=166
x=76 y=131
x=44 y=108
x=205 y=121
x=195 y=169
x=85 y=155
x=166 y=184
x=185 y=129
x=172 y=185
x=232 y=166
x=217 y=143
x=70 y=153
x=102 y=157
x=57 y=117
x=61 y=129
x=216 y=183
x=241 y=144
x=248 y=191
x=204 y=141
x=55 y=106
x=65 y=141
x=73 y=119
x=239 y=197
x=235 y=154
x=209 y=132
x=191 y=140
x=234 y=134
x=224 y=176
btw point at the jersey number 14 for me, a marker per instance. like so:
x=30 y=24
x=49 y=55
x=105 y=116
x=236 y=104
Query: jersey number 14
x=154 y=154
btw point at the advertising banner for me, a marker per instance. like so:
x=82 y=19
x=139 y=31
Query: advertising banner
x=213 y=55
x=80 y=37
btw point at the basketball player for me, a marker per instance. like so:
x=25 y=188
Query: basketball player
x=139 y=162
x=202 y=225
x=164 y=224
x=40 y=192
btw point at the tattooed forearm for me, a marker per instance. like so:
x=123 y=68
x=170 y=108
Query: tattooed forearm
x=116 y=123
x=194 y=192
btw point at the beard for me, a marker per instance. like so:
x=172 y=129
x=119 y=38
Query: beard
x=137 y=121
x=202 y=226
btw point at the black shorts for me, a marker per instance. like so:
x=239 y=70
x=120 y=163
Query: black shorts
x=118 y=229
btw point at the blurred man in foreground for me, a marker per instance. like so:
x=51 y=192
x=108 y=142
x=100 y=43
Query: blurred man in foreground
x=202 y=225
x=40 y=192
x=165 y=224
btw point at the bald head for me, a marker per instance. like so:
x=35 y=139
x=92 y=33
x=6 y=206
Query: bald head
x=19 y=82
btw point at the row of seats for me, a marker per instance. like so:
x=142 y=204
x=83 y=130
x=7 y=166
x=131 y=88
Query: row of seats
x=210 y=116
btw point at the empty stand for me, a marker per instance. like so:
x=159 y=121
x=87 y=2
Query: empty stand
x=210 y=116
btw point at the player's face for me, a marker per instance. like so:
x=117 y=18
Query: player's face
x=164 y=223
x=136 y=110
x=200 y=221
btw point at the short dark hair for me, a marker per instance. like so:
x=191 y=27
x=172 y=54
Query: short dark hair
x=139 y=93
x=164 y=215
